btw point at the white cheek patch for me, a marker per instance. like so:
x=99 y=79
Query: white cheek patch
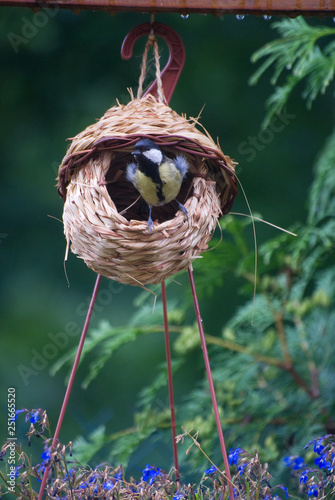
x=155 y=155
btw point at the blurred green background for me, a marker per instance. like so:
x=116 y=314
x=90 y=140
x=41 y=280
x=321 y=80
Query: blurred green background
x=61 y=74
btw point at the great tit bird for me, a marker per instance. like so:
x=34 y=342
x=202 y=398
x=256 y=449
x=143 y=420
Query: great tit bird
x=157 y=178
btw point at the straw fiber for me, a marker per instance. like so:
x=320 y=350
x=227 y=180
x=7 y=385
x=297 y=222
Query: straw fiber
x=105 y=219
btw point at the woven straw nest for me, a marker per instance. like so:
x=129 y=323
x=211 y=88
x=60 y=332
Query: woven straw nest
x=105 y=224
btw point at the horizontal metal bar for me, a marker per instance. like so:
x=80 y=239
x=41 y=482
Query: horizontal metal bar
x=215 y=7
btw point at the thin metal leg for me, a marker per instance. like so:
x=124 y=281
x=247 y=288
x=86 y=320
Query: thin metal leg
x=169 y=369
x=211 y=384
x=69 y=386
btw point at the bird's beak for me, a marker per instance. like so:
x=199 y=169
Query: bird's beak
x=135 y=152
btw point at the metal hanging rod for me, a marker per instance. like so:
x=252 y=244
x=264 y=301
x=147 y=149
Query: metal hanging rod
x=184 y=7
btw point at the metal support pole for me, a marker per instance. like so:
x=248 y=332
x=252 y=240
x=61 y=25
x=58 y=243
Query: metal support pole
x=169 y=370
x=211 y=384
x=71 y=380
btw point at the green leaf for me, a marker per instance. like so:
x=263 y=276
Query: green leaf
x=322 y=193
x=298 y=53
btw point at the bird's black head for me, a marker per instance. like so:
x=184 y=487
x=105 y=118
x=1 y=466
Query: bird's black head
x=149 y=150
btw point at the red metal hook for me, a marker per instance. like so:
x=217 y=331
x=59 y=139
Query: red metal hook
x=174 y=66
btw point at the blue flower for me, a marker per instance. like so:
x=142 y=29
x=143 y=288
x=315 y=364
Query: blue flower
x=34 y=417
x=211 y=470
x=93 y=478
x=329 y=467
x=40 y=471
x=235 y=492
x=46 y=455
x=68 y=475
x=304 y=477
x=178 y=496
x=313 y=491
x=284 y=490
x=318 y=446
x=288 y=461
x=17 y=470
x=108 y=485
x=150 y=473
x=234 y=455
x=241 y=468
x=298 y=463
x=322 y=463
x=17 y=412
x=83 y=486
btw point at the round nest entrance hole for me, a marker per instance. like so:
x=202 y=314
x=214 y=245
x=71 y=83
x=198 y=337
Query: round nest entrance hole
x=126 y=198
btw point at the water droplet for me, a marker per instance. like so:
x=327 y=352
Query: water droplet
x=240 y=17
x=185 y=16
x=267 y=18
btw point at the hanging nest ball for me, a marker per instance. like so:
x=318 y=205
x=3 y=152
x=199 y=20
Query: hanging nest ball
x=105 y=220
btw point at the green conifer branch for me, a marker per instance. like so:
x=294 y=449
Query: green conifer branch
x=298 y=53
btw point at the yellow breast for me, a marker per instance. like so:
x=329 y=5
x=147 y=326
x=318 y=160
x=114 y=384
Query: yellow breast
x=147 y=188
x=170 y=187
x=172 y=180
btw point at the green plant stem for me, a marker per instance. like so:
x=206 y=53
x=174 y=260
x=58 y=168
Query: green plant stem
x=234 y=346
x=288 y=364
x=278 y=319
x=300 y=381
x=288 y=367
x=196 y=443
x=313 y=370
x=67 y=472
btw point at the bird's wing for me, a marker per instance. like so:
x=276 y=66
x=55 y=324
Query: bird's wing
x=131 y=172
x=181 y=164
